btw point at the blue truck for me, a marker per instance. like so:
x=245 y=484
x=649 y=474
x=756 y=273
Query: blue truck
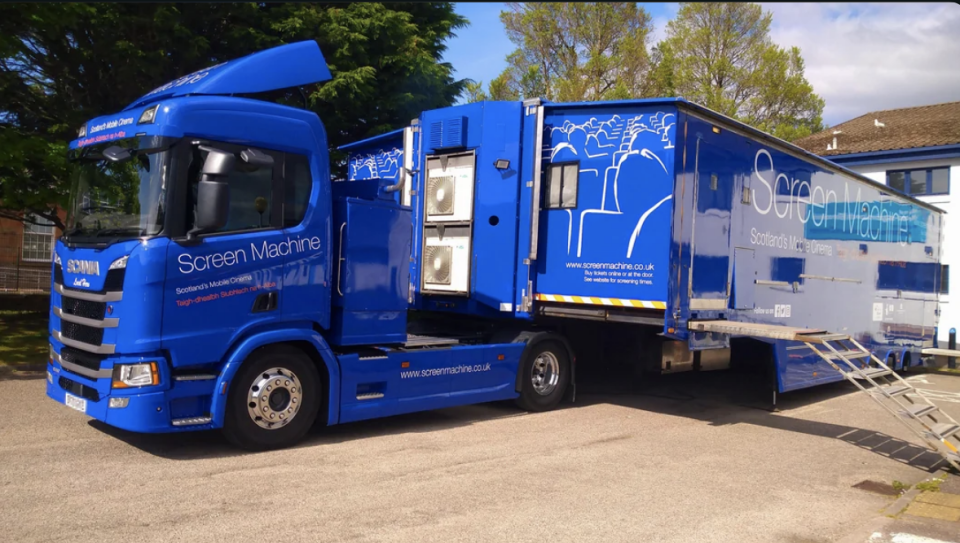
x=213 y=276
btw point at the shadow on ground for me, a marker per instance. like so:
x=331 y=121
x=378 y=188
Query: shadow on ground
x=23 y=344
x=718 y=398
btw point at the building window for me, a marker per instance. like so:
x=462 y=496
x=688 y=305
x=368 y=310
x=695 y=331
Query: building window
x=945 y=279
x=920 y=182
x=37 y=240
x=562 y=182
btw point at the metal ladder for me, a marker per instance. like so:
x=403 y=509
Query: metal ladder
x=881 y=383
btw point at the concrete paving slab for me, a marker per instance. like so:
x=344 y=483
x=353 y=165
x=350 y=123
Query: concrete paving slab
x=929 y=510
x=940 y=498
x=685 y=458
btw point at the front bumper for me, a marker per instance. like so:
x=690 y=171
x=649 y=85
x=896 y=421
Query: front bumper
x=154 y=411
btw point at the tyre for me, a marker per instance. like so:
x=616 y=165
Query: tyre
x=546 y=372
x=273 y=400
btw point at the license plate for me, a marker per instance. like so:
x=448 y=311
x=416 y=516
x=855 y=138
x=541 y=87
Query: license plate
x=76 y=403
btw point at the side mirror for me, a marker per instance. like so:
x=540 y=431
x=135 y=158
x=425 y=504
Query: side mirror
x=115 y=153
x=213 y=205
x=213 y=192
x=256 y=158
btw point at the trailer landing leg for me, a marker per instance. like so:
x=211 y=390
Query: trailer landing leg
x=773 y=406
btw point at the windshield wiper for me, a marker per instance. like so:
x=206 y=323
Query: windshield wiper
x=73 y=232
x=119 y=231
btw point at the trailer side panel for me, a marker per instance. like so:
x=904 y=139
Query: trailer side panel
x=809 y=247
x=607 y=199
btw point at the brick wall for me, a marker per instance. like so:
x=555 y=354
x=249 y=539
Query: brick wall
x=17 y=274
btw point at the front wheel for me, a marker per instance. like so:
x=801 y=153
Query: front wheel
x=546 y=372
x=274 y=399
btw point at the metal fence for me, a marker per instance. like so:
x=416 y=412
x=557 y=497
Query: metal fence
x=17 y=275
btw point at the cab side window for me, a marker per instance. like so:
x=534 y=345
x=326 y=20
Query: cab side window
x=297 y=186
x=253 y=192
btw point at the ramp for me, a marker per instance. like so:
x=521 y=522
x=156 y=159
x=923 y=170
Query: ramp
x=868 y=373
x=751 y=329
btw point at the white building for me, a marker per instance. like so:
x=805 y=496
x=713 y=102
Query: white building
x=916 y=151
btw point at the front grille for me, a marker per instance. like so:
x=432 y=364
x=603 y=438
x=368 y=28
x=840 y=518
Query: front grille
x=79 y=389
x=80 y=332
x=83 y=308
x=81 y=358
x=114 y=280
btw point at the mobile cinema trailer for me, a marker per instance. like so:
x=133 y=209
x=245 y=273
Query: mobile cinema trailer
x=690 y=227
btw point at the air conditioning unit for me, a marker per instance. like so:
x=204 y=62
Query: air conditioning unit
x=448 y=189
x=445 y=263
x=440 y=195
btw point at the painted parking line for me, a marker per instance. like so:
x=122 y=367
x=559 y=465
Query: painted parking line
x=938 y=395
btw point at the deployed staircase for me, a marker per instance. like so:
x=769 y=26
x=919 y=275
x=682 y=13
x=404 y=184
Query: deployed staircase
x=892 y=392
x=868 y=373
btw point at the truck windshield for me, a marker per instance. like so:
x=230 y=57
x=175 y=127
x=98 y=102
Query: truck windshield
x=115 y=200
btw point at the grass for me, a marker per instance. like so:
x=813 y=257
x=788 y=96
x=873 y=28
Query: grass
x=933 y=485
x=900 y=487
x=23 y=340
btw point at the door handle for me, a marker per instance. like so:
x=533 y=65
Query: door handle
x=340 y=259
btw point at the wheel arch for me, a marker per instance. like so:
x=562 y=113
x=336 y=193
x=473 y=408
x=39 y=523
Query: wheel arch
x=531 y=338
x=906 y=359
x=307 y=340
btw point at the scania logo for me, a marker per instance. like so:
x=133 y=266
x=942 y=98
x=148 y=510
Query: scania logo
x=84 y=267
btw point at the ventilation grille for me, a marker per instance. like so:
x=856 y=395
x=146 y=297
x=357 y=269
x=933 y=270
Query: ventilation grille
x=438 y=261
x=448 y=133
x=79 y=389
x=81 y=332
x=114 y=281
x=83 y=308
x=440 y=194
x=88 y=360
x=436 y=135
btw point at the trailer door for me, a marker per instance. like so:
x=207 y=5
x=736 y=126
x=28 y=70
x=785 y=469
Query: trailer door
x=709 y=278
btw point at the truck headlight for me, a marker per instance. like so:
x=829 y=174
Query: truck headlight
x=149 y=115
x=135 y=375
x=119 y=263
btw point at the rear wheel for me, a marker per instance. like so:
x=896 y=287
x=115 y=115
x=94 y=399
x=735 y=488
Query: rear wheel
x=546 y=372
x=274 y=399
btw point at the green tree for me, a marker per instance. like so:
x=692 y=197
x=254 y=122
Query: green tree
x=62 y=64
x=720 y=55
x=576 y=51
x=500 y=88
x=474 y=92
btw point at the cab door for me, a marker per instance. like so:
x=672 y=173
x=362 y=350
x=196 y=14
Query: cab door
x=225 y=282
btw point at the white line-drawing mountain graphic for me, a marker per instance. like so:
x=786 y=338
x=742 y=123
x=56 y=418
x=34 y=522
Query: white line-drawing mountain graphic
x=590 y=143
x=383 y=164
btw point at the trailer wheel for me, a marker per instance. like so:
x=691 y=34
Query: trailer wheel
x=546 y=372
x=274 y=399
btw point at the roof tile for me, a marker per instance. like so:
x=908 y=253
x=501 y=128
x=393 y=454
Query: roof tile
x=905 y=128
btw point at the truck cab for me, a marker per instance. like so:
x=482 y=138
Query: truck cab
x=209 y=270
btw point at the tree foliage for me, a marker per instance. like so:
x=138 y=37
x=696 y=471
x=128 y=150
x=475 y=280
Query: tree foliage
x=474 y=92
x=62 y=64
x=720 y=55
x=575 y=51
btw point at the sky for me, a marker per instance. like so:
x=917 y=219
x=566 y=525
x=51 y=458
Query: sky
x=859 y=57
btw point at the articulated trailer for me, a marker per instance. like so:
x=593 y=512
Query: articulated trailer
x=212 y=276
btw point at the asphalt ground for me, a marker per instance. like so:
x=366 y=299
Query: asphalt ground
x=684 y=458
